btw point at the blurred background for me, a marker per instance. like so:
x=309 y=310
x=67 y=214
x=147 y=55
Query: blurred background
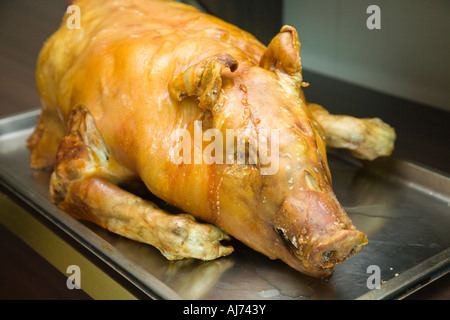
x=408 y=57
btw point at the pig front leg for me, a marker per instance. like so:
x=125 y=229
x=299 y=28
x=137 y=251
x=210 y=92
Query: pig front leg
x=82 y=185
x=367 y=138
x=175 y=236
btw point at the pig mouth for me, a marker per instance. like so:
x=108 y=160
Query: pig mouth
x=319 y=257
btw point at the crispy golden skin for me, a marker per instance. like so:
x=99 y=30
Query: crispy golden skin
x=113 y=92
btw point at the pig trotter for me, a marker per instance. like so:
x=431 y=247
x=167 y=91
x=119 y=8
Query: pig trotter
x=367 y=139
x=175 y=236
x=81 y=185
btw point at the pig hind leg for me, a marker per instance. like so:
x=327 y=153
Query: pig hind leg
x=82 y=186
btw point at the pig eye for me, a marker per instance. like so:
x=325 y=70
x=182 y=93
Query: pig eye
x=249 y=156
x=244 y=153
x=311 y=182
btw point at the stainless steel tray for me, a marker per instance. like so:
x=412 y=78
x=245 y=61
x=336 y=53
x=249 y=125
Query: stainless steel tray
x=403 y=208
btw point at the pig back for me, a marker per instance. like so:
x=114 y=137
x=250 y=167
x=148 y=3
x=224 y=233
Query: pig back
x=119 y=65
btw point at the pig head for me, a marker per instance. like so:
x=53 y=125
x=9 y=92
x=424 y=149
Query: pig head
x=279 y=201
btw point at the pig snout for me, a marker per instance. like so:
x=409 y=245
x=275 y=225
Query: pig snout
x=317 y=233
x=336 y=248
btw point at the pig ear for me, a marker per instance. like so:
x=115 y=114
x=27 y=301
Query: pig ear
x=283 y=53
x=203 y=80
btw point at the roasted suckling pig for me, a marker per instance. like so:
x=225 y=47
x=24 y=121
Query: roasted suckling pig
x=209 y=119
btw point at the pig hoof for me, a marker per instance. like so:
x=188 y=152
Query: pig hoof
x=192 y=239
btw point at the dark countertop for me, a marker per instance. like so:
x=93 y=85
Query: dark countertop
x=423 y=133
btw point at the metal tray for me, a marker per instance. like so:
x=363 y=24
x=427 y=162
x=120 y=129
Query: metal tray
x=403 y=208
